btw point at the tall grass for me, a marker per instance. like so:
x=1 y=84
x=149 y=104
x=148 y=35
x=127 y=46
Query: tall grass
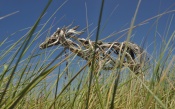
x=33 y=81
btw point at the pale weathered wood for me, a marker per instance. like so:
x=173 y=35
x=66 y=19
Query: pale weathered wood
x=108 y=54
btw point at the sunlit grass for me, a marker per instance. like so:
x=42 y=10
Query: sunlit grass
x=39 y=81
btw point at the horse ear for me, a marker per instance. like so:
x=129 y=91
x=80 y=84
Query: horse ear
x=75 y=27
x=74 y=32
x=69 y=26
x=58 y=29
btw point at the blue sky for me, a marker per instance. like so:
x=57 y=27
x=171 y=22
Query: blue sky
x=74 y=10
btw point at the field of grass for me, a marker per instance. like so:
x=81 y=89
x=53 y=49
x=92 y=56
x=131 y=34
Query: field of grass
x=36 y=80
